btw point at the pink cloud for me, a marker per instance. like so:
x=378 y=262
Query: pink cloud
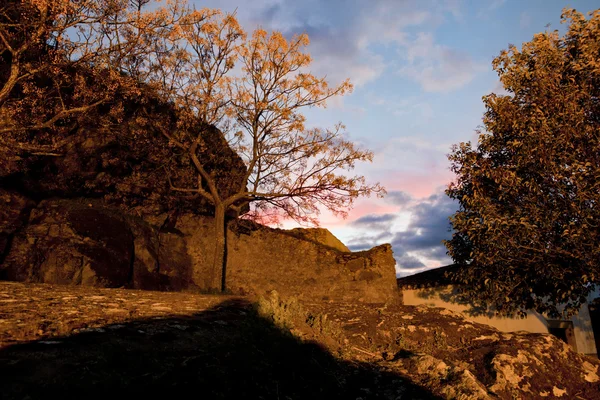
x=419 y=184
x=362 y=207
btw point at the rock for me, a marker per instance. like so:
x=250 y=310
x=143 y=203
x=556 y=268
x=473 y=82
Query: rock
x=79 y=242
x=68 y=242
x=321 y=236
x=86 y=242
x=176 y=265
x=446 y=362
x=160 y=260
x=14 y=212
x=431 y=351
x=126 y=166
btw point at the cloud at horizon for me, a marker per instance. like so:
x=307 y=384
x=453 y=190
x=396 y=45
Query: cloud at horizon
x=416 y=230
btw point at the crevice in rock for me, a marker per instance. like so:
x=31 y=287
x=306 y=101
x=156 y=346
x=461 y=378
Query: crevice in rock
x=130 y=278
x=158 y=248
x=24 y=218
x=225 y=252
x=4 y=253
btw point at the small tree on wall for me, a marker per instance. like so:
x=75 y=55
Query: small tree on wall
x=528 y=224
x=289 y=168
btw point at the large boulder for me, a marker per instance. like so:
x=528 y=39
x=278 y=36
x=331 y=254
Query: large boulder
x=82 y=242
x=125 y=161
x=70 y=243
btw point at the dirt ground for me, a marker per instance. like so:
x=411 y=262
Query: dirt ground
x=74 y=342
x=78 y=342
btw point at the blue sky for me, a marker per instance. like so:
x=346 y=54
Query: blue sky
x=420 y=68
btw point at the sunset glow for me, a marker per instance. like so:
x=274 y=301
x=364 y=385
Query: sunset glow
x=420 y=69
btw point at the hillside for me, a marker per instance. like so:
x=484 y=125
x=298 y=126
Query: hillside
x=81 y=342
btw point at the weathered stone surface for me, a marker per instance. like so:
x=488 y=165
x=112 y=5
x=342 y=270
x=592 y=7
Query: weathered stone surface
x=319 y=235
x=76 y=342
x=71 y=243
x=175 y=264
x=127 y=165
x=260 y=259
x=430 y=348
x=84 y=243
x=14 y=212
x=455 y=358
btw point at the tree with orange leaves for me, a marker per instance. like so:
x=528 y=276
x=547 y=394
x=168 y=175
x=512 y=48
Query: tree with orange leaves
x=61 y=58
x=292 y=171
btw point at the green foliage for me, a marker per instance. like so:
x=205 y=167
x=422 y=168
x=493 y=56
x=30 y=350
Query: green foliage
x=528 y=223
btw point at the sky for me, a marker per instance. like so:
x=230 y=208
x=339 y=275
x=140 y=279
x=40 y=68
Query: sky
x=419 y=69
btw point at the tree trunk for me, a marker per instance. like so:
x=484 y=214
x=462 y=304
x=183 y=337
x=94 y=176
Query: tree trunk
x=217 y=272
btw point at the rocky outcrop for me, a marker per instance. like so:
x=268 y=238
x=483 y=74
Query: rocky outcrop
x=123 y=341
x=85 y=242
x=66 y=244
x=14 y=213
x=438 y=349
x=99 y=210
x=126 y=163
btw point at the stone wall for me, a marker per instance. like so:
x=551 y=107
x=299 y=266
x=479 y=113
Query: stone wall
x=266 y=259
x=260 y=259
x=84 y=242
x=319 y=235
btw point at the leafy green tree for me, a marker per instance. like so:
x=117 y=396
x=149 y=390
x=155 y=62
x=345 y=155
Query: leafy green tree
x=528 y=227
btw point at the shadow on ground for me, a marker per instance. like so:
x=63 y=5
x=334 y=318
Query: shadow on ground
x=227 y=352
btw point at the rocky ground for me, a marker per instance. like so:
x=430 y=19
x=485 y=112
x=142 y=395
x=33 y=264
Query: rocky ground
x=78 y=342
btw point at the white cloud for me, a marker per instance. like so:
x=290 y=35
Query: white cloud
x=494 y=4
x=454 y=7
x=489 y=7
x=435 y=67
x=500 y=90
x=525 y=20
x=343 y=36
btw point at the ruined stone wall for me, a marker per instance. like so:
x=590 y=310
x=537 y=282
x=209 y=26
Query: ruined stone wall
x=266 y=259
x=84 y=242
x=261 y=259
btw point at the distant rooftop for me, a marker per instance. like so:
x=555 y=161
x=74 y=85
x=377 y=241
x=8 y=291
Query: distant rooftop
x=431 y=278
